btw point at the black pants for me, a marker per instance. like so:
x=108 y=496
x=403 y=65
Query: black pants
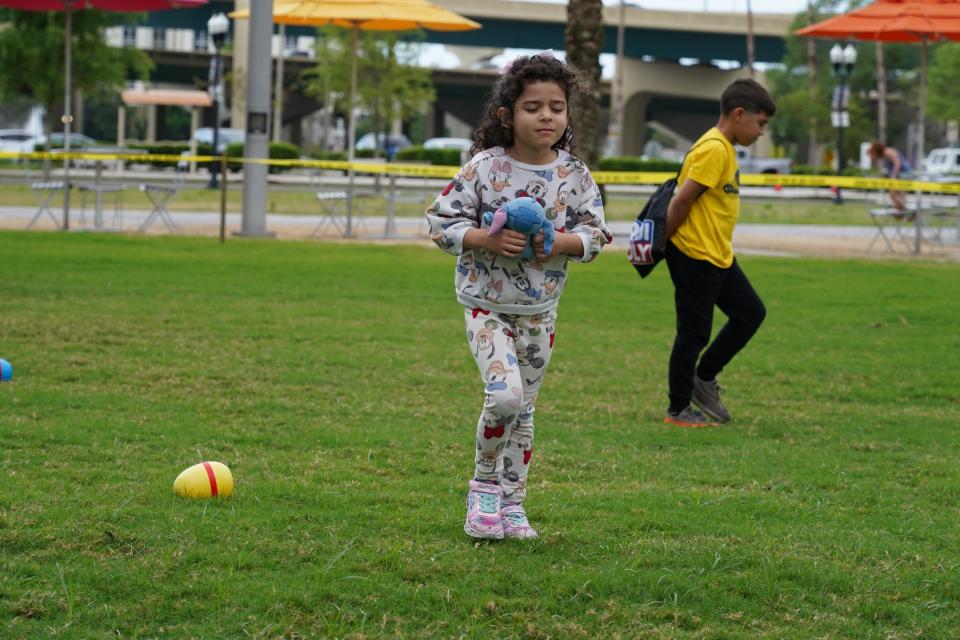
x=699 y=285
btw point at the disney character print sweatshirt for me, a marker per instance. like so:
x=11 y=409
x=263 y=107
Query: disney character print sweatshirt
x=484 y=279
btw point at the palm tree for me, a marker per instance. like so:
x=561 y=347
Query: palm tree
x=584 y=40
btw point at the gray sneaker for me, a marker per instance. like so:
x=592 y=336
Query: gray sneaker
x=706 y=395
x=689 y=418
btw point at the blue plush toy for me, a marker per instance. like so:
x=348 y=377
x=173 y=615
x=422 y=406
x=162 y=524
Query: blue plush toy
x=526 y=216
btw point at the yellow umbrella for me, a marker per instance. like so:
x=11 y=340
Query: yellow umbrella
x=369 y=15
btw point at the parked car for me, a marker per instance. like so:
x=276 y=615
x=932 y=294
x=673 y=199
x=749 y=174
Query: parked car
x=392 y=141
x=748 y=163
x=225 y=137
x=77 y=141
x=16 y=141
x=941 y=163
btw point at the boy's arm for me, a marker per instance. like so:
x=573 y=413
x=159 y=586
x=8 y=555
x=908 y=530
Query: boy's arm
x=679 y=207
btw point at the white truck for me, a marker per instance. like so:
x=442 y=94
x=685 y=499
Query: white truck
x=750 y=164
x=942 y=164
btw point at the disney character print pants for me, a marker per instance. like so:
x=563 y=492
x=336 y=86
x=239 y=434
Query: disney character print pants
x=512 y=353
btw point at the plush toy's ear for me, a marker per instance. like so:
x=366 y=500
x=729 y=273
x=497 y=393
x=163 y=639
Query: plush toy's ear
x=499 y=219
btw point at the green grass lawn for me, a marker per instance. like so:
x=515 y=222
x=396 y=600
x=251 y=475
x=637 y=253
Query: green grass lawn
x=302 y=201
x=335 y=382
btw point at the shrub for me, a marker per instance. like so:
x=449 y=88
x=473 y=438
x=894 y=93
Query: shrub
x=443 y=157
x=633 y=163
x=276 y=151
x=319 y=154
x=813 y=169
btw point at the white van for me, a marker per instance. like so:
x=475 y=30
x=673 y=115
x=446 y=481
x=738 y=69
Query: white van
x=941 y=163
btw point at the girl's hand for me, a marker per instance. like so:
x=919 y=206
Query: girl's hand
x=507 y=243
x=562 y=243
x=538 y=241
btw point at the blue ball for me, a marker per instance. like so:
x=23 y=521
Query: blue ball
x=6 y=370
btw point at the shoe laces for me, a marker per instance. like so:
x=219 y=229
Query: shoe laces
x=517 y=518
x=488 y=502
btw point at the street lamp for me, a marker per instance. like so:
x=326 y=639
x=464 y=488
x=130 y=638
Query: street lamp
x=217 y=27
x=842 y=59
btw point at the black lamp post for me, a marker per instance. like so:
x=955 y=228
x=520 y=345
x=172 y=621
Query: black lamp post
x=842 y=59
x=217 y=27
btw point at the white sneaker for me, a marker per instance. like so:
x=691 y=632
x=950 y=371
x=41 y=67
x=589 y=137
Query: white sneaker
x=483 y=511
x=515 y=523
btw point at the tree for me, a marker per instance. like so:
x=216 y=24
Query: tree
x=584 y=41
x=943 y=94
x=390 y=85
x=32 y=57
x=803 y=92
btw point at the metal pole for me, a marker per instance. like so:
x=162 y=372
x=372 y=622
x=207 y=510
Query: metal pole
x=256 y=144
x=278 y=87
x=615 y=128
x=67 y=115
x=223 y=199
x=351 y=129
x=918 y=219
x=838 y=199
x=214 y=164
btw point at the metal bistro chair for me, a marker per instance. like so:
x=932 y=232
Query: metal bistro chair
x=332 y=205
x=160 y=196
x=46 y=190
x=98 y=190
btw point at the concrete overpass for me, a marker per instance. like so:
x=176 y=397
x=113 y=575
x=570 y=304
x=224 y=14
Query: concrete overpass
x=682 y=97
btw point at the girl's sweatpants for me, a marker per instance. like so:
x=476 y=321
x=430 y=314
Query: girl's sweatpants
x=512 y=353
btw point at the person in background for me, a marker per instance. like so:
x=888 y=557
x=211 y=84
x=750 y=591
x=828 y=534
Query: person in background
x=895 y=166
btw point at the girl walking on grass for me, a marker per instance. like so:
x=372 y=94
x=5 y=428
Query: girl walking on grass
x=523 y=148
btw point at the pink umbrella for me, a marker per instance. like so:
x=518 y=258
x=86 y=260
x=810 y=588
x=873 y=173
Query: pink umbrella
x=69 y=6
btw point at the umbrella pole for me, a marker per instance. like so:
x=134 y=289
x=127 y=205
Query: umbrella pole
x=918 y=217
x=352 y=124
x=67 y=115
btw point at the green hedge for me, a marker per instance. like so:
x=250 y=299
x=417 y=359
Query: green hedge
x=317 y=154
x=442 y=157
x=276 y=151
x=813 y=170
x=633 y=163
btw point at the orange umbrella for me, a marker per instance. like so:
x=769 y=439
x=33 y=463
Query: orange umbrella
x=897 y=21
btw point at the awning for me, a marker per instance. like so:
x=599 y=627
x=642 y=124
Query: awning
x=166 y=97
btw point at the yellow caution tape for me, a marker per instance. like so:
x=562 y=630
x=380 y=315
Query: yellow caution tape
x=437 y=171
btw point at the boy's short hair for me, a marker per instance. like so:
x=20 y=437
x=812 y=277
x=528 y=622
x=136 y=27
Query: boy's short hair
x=748 y=94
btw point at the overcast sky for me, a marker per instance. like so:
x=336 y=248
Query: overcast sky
x=728 y=6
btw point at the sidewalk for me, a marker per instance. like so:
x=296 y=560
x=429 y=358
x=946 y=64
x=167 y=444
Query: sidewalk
x=756 y=239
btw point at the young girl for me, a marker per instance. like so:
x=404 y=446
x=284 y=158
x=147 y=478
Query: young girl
x=522 y=148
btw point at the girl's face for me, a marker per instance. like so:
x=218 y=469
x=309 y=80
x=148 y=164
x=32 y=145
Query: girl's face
x=539 y=119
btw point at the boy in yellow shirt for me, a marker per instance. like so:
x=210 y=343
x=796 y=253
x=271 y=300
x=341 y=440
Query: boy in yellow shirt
x=699 y=254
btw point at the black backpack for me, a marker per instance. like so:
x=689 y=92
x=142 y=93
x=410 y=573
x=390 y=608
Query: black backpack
x=647 y=242
x=648 y=245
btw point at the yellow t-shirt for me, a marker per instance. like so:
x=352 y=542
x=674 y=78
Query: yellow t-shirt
x=707 y=233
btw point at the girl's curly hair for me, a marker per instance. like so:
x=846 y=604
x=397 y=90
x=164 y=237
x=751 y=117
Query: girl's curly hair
x=522 y=71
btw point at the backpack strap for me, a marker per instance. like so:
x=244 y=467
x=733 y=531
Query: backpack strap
x=687 y=155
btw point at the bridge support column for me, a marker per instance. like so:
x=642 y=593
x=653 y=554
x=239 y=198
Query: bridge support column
x=634 y=124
